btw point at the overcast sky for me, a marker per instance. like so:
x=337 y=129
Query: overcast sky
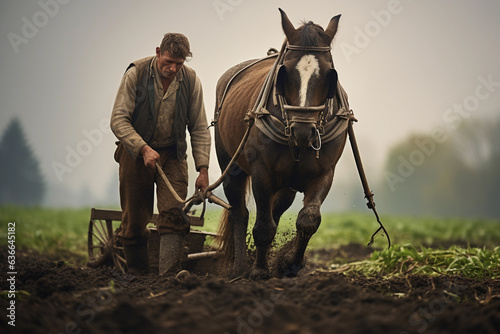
x=405 y=65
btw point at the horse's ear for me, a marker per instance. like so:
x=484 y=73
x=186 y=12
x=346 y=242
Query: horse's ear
x=333 y=80
x=331 y=30
x=280 y=80
x=288 y=27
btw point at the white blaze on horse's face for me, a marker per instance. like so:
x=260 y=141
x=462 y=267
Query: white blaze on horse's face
x=307 y=66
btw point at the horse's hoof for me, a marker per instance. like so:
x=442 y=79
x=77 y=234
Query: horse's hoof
x=259 y=275
x=287 y=268
x=291 y=271
x=238 y=271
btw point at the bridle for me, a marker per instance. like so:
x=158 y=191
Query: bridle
x=326 y=130
x=278 y=129
x=300 y=114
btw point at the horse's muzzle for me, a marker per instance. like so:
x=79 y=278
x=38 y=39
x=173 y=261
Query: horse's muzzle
x=302 y=129
x=303 y=134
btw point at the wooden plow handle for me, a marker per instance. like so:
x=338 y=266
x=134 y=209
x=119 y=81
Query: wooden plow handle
x=197 y=198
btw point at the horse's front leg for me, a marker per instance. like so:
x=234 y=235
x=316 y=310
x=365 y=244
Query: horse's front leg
x=265 y=228
x=290 y=258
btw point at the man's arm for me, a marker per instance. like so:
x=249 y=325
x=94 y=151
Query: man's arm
x=198 y=128
x=121 y=117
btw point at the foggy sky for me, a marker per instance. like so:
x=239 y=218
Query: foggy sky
x=404 y=64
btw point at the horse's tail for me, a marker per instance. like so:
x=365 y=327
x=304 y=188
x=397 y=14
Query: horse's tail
x=225 y=240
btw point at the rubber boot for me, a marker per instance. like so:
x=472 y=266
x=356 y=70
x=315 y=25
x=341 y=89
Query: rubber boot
x=137 y=259
x=171 y=253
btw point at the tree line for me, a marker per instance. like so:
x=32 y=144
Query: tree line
x=450 y=174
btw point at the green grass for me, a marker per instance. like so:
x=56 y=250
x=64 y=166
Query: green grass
x=427 y=241
x=471 y=262
x=344 y=228
x=54 y=232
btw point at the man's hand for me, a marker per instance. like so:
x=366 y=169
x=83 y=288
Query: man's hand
x=202 y=180
x=150 y=156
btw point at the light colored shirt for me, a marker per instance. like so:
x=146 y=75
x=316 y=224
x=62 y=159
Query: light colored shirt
x=123 y=108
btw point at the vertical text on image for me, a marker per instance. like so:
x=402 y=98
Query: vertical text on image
x=11 y=272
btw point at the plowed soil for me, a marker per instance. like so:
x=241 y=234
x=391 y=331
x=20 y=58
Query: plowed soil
x=53 y=297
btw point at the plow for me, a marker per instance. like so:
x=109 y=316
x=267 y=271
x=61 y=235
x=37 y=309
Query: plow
x=104 y=247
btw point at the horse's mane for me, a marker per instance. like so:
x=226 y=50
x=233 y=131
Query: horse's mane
x=311 y=34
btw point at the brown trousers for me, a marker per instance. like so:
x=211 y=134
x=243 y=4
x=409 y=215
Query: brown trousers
x=137 y=196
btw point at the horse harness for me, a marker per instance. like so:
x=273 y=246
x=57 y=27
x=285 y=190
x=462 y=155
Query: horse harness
x=307 y=115
x=326 y=130
x=279 y=129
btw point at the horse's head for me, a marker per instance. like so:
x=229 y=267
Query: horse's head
x=306 y=78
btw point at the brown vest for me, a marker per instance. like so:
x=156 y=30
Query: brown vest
x=144 y=118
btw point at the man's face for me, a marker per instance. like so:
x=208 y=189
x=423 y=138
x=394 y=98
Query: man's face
x=168 y=66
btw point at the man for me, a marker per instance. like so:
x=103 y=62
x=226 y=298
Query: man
x=157 y=99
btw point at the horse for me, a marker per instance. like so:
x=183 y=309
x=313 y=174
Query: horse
x=290 y=143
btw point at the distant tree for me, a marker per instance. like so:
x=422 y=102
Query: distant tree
x=488 y=177
x=456 y=177
x=21 y=181
x=422 y=185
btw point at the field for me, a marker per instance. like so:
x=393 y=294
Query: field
x=440 y=276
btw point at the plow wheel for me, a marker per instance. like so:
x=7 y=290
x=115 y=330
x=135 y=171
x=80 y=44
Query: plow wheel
x=105 y=249
x=103 y=246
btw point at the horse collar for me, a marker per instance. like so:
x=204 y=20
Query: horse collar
x=326 y=131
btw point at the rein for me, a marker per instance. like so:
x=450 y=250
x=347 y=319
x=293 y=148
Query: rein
x=286 y=109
